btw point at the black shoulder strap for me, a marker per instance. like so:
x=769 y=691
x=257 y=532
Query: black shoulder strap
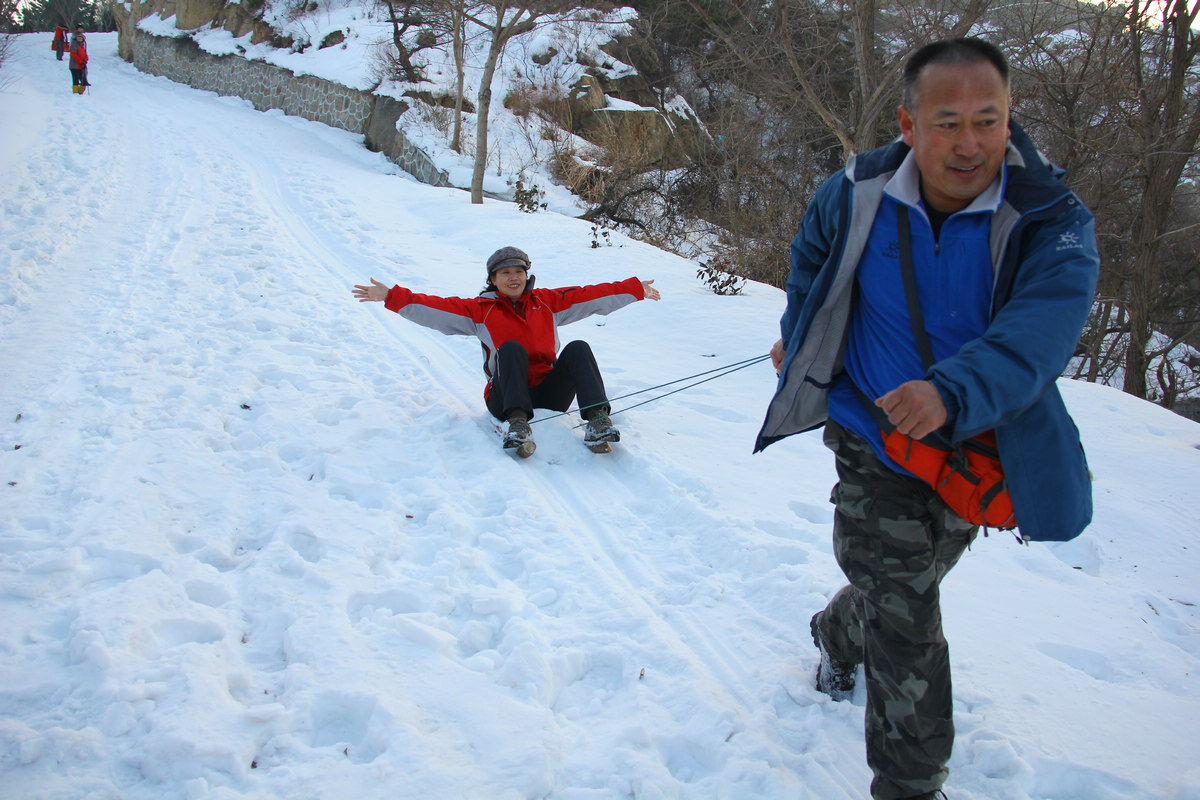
x=924 y=349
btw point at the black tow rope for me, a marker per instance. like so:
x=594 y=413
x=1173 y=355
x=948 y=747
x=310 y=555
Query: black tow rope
x=721 y=372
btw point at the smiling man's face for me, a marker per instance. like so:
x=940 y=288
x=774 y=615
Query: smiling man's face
x=958 y=131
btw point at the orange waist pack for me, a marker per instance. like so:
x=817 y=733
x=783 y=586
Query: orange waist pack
x=968 y=477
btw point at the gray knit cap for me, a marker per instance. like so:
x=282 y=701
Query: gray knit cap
x=507 y=257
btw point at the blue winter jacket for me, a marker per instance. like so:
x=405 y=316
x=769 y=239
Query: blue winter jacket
x=1045 y=262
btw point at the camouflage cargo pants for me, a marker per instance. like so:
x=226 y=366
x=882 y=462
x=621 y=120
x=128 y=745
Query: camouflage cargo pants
x=895 y=540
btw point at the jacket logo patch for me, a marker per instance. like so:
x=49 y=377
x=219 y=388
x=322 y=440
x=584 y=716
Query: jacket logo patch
x=892 y=250
x=1069 y=241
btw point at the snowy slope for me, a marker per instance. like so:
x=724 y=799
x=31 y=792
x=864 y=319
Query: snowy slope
x=258 y=540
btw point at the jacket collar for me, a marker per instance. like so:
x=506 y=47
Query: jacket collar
x=905 y=186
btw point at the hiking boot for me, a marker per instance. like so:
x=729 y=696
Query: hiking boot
x=519 y=433
x=600 y=430
x=834 y=678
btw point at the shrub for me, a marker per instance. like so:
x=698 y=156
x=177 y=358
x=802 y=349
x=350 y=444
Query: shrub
x=722 y=276
x=529 y=200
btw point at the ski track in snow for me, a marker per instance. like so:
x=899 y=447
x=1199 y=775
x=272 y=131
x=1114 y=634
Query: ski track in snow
x=261 y=541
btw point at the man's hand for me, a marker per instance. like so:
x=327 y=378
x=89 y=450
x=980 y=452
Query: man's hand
x=777 y=354
x=650 y=292
x=915 y=408
x=375 y=293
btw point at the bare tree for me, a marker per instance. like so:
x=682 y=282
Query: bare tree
x=408 y=17
x=1166 y=52
x=756 y=180
x=788 y=89
x=6 y=38
x=1112 y=94
x=8 y=21
x=458 y=41
x=45 y=14
x=841 y=59
x=503 y=20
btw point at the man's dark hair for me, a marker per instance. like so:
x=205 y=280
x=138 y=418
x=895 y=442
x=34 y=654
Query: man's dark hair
x=968 y=50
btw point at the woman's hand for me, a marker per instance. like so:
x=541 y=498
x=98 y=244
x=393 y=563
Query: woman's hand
x=650 y=291
x=375 y=293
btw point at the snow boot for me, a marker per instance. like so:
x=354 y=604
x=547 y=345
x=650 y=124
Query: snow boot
x=519 y=436
x=600 y=434
x=834 y=678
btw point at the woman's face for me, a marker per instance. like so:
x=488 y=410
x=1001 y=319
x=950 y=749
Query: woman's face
x=510 y=281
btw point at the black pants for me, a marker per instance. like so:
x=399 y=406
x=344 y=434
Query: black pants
x=574 y=373
x=79 y=77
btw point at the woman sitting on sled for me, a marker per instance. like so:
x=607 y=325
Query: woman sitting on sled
x=518 y=327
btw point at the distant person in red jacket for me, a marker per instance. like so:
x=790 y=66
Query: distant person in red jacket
x=78 y=63
x=59 y=44
x=518 y=327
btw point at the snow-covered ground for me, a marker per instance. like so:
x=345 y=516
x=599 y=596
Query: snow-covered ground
x=258 y=540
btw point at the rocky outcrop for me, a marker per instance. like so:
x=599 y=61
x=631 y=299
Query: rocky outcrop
x=664 y=138
x=333 y=39
x=383 y=135
x=191 y=14
x=238 y=20
x=127 y=20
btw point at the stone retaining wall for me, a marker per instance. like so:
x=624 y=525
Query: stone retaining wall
x=266 y=87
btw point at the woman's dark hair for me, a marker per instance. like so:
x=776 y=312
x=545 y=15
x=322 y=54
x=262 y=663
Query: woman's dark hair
x=968 y=50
